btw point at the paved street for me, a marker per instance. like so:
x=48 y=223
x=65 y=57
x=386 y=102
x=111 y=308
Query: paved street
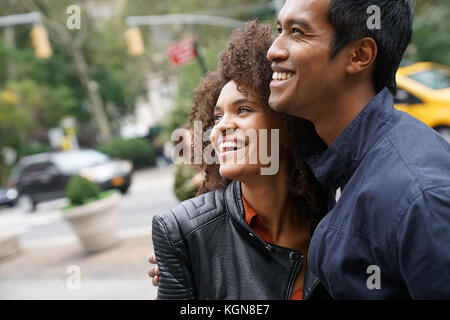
x=50 y=247
x=151 y=192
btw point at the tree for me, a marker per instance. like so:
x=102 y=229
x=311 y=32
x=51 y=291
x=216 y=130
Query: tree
x=431 y=31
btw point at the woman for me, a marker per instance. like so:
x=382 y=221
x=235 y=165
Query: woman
x=247 y=235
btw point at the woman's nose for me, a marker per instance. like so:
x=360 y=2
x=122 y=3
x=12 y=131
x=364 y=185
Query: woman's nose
x=226 y=126
x=226 y=123
x=277 y=51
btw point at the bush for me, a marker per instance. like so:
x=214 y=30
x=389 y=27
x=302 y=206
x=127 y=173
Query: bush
x=183 y=187
x=138 y=150
x=80 y=190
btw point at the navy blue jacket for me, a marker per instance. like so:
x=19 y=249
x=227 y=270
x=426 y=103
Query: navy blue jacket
x=388 y=235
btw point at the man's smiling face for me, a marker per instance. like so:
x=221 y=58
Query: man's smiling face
x=304 y=74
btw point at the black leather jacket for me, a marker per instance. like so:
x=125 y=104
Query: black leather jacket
x=206 y=250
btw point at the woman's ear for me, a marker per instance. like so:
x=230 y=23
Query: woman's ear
x=362 y=55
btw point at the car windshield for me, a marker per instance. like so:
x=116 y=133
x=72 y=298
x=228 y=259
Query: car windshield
x=75 y=161
x=438 y=78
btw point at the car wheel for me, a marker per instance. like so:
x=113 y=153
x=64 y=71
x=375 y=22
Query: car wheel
x=124 y=190
x=444 y=131
x=26 y=204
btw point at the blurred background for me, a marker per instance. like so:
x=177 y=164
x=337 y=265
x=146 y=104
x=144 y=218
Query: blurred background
x=90 y=93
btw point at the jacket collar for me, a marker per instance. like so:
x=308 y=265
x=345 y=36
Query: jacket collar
x=333 y=166
x=235 y=207
x=233 y=201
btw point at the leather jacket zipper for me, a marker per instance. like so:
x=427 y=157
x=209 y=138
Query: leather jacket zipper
x=298 y=263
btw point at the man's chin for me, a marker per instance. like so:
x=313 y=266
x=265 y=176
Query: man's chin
x=277 y=104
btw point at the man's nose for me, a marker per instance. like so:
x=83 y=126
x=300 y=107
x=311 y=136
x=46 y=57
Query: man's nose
x=277 y=51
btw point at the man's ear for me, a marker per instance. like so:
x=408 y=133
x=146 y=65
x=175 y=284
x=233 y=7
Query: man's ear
x=362 y=55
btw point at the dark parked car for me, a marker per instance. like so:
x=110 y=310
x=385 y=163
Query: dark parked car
x=44 y=176
x=8 y=196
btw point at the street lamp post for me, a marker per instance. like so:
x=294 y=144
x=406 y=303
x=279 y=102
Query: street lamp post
x=18 y=19
x=38 y=33
x=156 y=20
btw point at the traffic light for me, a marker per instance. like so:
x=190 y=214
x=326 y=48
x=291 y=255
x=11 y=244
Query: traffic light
x=41 y=44
x=134 y=41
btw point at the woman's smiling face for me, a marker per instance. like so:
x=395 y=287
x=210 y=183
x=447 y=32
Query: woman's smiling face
x=239 y=118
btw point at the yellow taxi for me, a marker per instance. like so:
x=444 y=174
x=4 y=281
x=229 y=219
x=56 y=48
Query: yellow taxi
x=423 y=91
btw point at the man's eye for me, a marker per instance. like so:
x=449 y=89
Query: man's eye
x=296 y=30
x=279 y=31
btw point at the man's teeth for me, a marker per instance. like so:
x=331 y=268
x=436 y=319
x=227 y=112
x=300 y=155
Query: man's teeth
x=281 y=75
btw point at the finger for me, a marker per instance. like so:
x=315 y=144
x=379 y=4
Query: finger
x=152 y=259
x=155 y=281
x=154 y=271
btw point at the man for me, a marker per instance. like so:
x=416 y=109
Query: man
x=388 y=235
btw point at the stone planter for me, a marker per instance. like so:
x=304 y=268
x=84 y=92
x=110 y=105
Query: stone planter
x=9 y=244
x=96 y=223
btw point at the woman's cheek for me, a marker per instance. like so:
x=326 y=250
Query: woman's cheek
x=213 y=137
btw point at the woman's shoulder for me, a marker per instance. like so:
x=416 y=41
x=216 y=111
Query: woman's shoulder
x=191 y=214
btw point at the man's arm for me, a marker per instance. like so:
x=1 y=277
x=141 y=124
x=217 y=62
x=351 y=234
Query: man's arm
x=423 y=245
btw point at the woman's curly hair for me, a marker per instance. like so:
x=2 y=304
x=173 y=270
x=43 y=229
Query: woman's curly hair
x=244 y=61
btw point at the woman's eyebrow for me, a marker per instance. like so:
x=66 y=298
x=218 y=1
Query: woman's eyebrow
x=235 y=103
x=243 y=100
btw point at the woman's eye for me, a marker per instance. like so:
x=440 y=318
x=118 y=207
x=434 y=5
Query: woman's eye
x=244 y=109
x=279 y=31
x=217 y=117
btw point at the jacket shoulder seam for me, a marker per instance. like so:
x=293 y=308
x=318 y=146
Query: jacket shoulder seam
x=195 y=225
x=166 y=229
x=221 y=215
x=411 y=202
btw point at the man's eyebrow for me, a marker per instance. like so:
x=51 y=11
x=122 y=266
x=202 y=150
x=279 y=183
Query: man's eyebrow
x=298 y=21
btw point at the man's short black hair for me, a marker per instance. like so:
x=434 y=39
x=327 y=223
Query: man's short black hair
x=349 y=19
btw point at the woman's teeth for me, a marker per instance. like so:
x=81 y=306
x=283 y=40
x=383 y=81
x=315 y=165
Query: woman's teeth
x=281 y=75
x=228 y=146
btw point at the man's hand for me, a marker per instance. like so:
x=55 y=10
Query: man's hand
x=153 y=272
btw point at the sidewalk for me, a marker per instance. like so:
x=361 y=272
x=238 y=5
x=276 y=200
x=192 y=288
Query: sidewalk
x=116 y=273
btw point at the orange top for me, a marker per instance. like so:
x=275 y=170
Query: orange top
x=255 y=223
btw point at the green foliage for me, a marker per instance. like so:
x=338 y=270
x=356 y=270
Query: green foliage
x=34 y=148
x=138 y=150
x=80 y=190
x=120 y=76
x=431 y=32
x=183 y=187
x=190 y=76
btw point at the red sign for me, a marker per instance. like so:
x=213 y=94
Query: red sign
x=182 y=51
